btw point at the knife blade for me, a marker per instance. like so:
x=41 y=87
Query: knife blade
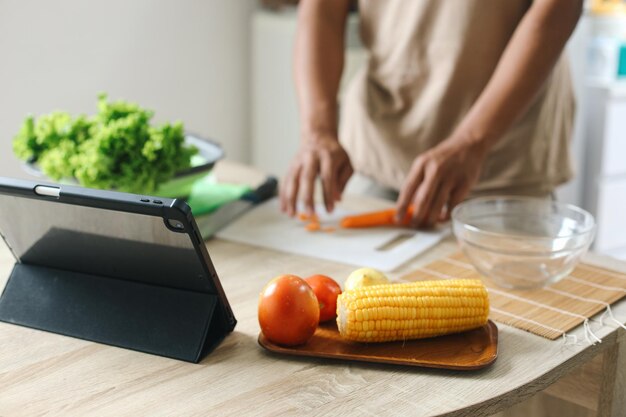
x=229 y=212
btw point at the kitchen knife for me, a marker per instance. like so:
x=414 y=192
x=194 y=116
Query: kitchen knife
x=212 y=223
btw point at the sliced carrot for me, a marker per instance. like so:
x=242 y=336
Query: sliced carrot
x=375 y=219
x=329 y=229
x=313 y=227
x=308 y=217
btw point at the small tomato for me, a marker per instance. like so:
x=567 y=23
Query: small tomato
x=326 y=290
x=288 y=311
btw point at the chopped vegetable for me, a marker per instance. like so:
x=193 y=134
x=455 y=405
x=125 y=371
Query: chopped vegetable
x=115 y=149
x=308 y=217
x=375 y=219
x=313 y=227
x=413 y=310
x=364 y=277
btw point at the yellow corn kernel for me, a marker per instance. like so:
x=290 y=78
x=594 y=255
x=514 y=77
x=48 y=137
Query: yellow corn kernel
x=414 y=310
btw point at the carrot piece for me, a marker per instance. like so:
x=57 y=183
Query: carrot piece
x=313 y=227
x=375 y=219
x=372 y=219
x=329 y=229
x=308 y=217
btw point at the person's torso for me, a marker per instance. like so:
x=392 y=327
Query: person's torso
x=429 y=60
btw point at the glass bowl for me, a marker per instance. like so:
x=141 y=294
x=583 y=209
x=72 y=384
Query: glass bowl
x=522 y=242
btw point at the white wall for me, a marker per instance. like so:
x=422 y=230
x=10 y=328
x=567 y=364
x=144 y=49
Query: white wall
x=186 y=59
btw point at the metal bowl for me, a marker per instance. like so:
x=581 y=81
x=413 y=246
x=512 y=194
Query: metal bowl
x=209 y=153
x=522 y=242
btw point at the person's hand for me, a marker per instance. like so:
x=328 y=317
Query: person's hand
x=439 y=179
x=318 y=155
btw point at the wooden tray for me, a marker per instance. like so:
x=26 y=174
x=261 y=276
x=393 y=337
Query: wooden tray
x=470 y=350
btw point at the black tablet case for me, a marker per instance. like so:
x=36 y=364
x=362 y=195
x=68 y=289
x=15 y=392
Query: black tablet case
x=144 y=316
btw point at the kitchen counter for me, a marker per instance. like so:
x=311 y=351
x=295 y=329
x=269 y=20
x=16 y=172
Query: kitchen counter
x=44 y=373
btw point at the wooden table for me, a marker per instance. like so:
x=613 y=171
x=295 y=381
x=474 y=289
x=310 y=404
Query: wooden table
x=43 y=373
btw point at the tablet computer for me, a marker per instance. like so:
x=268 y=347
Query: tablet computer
x=116 y=268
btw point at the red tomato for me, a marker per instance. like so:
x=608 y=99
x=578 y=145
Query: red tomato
x=326 y=290
x=288 y=311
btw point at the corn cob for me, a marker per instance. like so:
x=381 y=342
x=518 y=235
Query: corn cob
x=414 y=310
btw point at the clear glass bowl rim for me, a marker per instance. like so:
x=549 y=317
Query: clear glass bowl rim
x=586 y=215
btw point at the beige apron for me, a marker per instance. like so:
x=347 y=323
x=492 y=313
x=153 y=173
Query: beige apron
x=429 y=60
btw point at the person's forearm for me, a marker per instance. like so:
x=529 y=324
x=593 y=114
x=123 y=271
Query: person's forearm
x=523 y=68
x=318 y=62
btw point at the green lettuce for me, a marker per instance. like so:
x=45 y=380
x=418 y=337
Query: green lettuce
x=117 y=148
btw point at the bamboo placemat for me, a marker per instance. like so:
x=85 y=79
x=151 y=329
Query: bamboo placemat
x=551 y=311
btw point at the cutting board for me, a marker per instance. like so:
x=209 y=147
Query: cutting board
x=384 y=248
